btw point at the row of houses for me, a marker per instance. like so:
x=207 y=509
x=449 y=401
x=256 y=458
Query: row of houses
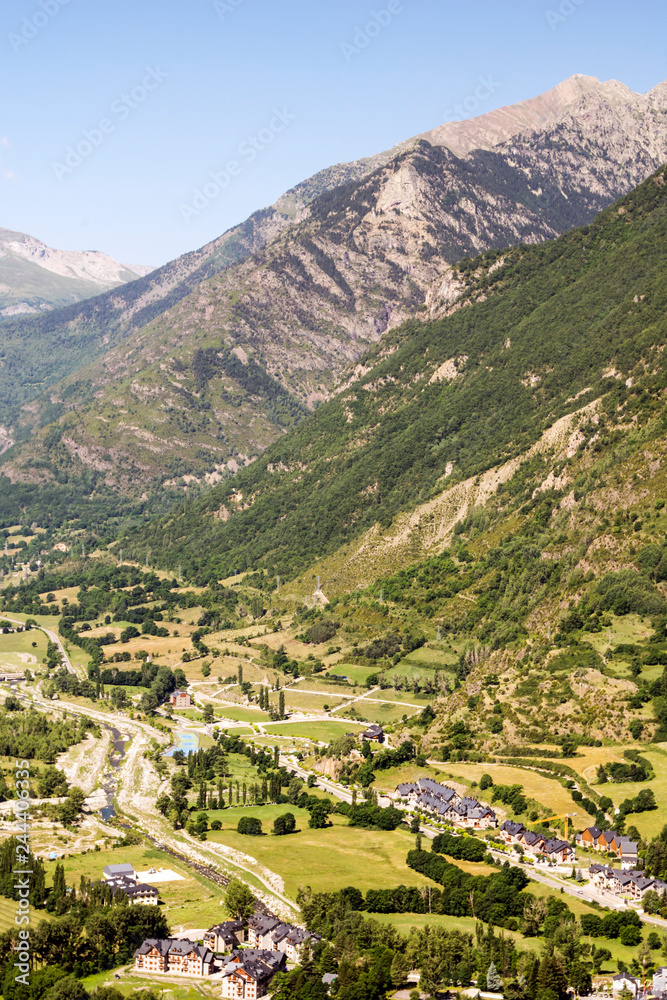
x=633 y=884
x=273 y=934
x=552 y=848
x=178 y=956
x=446 y=804
x=610 y=841
x=247 y=972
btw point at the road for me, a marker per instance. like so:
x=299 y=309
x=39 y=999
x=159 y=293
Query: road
x=55 y=638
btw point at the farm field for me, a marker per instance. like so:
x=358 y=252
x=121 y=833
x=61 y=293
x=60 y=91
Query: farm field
x=328 y=859
x=323 y=732
x=384 y=712
x=399 y=697
x=649 y=823
x=435 y=658
x=322 y=686
x=19 y=650
x=352 y=672
x=239 y=715
x=547 y=791
x=295 y=700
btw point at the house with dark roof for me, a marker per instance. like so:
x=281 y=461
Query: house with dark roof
x=260 y=928
x=177 y=956
x=611 y=841
x=531 y=842
x=138 y=893
x=589 y=837
x=248 y=972
x=180 y=699
x=273 y=935
x=373 y=732
x=511 y=831
x=632 y=884
x=223 y=938
x=445 y=804
x=558 y=850
x=622 y=980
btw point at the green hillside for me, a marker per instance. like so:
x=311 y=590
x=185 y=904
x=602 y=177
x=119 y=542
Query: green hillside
x=541 y=331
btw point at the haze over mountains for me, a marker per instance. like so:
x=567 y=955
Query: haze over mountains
x=36 y=278
x=196 y=368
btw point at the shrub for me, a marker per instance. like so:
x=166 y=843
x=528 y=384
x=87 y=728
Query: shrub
x=284 y=824
x=250 y=826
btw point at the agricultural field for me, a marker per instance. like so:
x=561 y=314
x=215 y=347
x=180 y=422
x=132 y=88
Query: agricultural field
x=295 y=701
x=322 y=732
x=19 y=650
x=352 y=672
x=384 y=712
x=254 y=715
x=433 y=657
x=322 y=686
x=547 y=791
x=408 y=698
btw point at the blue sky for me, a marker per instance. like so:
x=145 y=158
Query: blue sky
x=157 y=95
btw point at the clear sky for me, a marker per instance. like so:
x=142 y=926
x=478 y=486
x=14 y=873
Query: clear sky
x=157 y=94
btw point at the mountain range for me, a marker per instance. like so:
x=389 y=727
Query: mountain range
x=36 y=278
x=186 y=375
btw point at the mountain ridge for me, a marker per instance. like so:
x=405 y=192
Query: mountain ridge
x=548 y=331
x=35 y=277
x=336 y=276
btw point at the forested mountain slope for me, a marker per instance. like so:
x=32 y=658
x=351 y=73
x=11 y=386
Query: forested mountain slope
x=537 y=333
x=209 y=383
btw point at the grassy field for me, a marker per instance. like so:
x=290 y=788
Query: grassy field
x=323 y=732
x=352 y=672
x=239 y=715
x=650 y=823
x=440 y=658
x=384 y=711
x=328 y=859
x=7 y=913
x=295 y=700
x=128 y=984
x=19 y=650
x=322 y=686
x=400 y=697
x=546 y=791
